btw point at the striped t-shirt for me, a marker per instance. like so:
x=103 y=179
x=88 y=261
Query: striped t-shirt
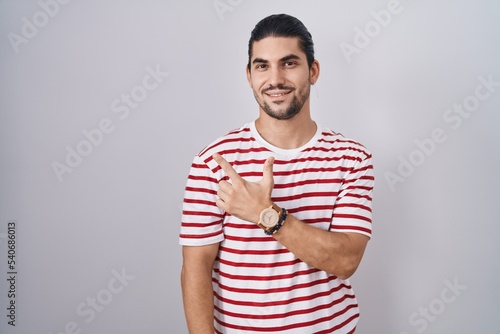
x=259 y=286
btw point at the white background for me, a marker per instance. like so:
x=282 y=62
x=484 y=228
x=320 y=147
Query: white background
x=118 y=210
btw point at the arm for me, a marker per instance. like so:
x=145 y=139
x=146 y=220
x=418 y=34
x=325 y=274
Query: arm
x=337 y=253
x=197 y=291
x=334 y=252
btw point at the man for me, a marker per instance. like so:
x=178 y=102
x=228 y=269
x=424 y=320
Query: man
x=277 y=213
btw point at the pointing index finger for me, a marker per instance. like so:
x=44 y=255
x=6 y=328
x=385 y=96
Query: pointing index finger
x=226 y=166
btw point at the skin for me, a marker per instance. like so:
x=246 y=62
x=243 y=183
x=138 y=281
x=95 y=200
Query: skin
x=280 y=79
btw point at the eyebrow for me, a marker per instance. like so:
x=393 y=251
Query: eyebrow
x=285 y=58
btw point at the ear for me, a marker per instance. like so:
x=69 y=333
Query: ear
x=249 y=75
x=314 y=72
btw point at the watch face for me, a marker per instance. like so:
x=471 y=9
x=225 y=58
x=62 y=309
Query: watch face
x=269 y=217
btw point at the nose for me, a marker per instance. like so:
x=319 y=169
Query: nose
x=276 y=76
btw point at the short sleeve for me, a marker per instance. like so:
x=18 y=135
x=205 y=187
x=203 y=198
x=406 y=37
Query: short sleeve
x=352 y=211
x=201 y=218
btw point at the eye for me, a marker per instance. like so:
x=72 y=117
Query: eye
x=260 y=66
x=289 y=64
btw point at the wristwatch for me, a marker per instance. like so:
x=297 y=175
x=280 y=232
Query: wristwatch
x=271 y=219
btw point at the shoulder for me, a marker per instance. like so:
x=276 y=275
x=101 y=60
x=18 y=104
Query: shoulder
x=229 y=141
x=337 y=142
x=234 y=141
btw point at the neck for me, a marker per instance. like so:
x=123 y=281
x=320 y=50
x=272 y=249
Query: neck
x=286 y=134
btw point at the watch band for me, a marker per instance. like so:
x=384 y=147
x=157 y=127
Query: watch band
x=280 y=223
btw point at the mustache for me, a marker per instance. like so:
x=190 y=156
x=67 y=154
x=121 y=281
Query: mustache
x=278 y=87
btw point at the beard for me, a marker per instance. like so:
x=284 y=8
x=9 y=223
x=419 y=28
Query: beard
x=289 y=112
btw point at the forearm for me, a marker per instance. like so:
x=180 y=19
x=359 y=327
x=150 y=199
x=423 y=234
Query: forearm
x=197 y=290
x=197 y=294
x=336 y=253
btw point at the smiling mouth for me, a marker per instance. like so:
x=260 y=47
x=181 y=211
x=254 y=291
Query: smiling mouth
x=278 y=94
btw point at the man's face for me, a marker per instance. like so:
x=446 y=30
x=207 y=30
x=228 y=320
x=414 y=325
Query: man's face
x=280 y=77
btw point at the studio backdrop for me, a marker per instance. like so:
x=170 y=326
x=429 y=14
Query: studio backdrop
x=103 y=105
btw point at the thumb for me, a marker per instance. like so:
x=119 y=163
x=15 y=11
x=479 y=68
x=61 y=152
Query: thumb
x=267 y=173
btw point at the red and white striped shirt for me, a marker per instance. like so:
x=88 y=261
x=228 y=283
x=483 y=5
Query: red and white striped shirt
x=259 y=286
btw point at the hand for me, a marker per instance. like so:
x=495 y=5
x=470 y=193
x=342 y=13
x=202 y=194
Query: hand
x=243 y=199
